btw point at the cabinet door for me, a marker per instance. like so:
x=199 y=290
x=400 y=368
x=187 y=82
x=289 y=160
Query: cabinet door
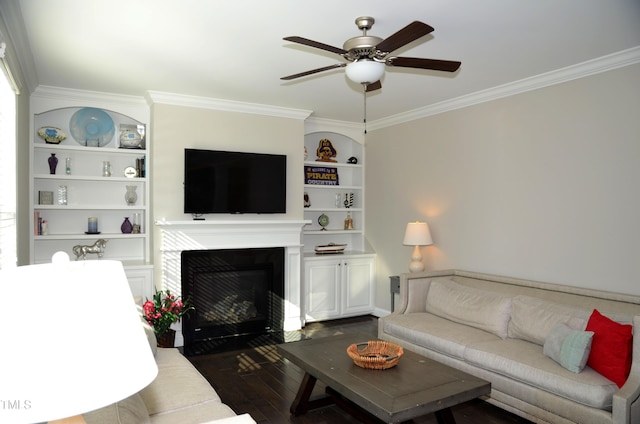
x=140 y=282
x=322 y=290
x=358 y=294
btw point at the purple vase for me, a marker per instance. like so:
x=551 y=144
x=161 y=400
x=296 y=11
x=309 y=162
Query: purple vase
x=53 y=162
x=127 y=226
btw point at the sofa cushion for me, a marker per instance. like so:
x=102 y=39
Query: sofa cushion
x=570 y=348
x=611 y=349
x=238 y=419
x=435 y=333
x=177 y=385
x=532 y=318
x=128 y=411
x=524 y=361
x=486 y=310
x=195 y=414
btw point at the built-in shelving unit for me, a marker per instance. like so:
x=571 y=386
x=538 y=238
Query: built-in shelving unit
x=89 y=191
x=323 y=198
x=336 y=285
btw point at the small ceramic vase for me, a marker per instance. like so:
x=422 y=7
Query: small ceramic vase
x=127 y=226
x=131 y=196
x=53 y=163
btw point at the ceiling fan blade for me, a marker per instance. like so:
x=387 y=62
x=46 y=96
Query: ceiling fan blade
x=415 y=62
x=314 y=71
x=373 y=86
x=315 y=44
x=411 y=32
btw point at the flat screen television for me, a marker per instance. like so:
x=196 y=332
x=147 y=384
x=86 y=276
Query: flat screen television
x=234 y=182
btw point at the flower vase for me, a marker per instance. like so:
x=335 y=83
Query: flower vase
x=167 y=339
x=131 y=196
x=127 y=226
x=53 y=163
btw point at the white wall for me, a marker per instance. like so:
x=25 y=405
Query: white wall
x=543 y=185
x=178 y=127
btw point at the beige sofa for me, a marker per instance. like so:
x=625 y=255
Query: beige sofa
x=179 y=394
x=504 y=330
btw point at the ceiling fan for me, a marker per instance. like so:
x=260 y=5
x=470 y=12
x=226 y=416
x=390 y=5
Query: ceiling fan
x=368 y=55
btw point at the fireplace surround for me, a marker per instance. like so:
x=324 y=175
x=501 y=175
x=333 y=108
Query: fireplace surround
x=179 y=236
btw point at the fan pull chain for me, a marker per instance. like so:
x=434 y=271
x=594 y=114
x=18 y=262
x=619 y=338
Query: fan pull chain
x=364 y=92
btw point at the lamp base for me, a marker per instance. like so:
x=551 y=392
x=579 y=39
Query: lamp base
x=416 y=264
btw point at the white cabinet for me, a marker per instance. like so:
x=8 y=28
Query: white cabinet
x=338 y=286
x=90 y=191
x=140 y=279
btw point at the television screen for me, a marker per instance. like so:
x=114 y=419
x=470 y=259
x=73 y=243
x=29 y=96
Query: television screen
x=234 y=182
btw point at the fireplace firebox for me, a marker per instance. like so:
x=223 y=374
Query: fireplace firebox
x=235 y=292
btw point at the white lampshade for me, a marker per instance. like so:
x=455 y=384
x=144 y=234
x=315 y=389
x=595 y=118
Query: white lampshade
x=365 y=71
x=73 y=340
x=417 y=234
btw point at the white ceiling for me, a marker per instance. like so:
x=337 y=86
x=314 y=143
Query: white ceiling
x=233 y=49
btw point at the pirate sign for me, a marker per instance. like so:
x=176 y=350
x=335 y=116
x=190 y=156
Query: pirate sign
x=326 y=152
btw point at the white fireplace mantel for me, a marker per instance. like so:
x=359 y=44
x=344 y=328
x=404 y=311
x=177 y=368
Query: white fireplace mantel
x=230 y=234
x=178 y=236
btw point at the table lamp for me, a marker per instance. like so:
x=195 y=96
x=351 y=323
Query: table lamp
x=417 y=234
x=73 y=340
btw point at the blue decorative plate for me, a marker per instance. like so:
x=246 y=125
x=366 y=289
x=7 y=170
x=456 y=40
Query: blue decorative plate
x=92 y=127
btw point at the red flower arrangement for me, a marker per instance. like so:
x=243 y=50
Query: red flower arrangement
x=164 y=310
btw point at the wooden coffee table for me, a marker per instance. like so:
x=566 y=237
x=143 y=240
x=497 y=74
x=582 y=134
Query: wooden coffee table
x=416 y=386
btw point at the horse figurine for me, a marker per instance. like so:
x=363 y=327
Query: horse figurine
x=97 y=247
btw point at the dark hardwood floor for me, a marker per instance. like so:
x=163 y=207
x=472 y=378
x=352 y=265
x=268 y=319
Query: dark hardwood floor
x=259 y=381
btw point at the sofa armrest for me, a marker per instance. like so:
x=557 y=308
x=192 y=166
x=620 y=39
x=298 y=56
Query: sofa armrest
x=414 y=288
x=626 y=403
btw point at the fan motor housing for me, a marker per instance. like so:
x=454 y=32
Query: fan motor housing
x=362 y=46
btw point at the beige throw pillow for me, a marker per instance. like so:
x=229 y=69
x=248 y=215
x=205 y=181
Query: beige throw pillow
x=482 y=309
x=532 y=318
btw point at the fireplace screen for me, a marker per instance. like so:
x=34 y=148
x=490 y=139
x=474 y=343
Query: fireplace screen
x=234 y=292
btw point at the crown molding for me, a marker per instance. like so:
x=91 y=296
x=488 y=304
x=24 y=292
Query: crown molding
x=155 y=97
x=581 y=70
x=18 y=54
x=86 y=96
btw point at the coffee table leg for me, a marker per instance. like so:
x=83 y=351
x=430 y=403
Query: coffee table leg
x=301 y=404
x=445 y=416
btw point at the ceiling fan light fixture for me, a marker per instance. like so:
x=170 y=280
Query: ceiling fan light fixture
x=365 y=71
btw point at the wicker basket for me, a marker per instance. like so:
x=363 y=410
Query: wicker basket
x=375 y=354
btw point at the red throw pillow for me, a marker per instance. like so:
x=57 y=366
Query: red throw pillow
x=611 y=348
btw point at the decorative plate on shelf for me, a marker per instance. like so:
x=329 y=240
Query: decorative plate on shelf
x=51 y=135
x=92 y=127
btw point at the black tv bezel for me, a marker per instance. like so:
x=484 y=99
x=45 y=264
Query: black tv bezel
x=280 y=209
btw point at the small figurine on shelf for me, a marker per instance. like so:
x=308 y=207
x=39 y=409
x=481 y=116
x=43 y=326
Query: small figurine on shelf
x=348 y=222
x=326 y=152
x=348 y=200
x=98 y=248
x=307 y=202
